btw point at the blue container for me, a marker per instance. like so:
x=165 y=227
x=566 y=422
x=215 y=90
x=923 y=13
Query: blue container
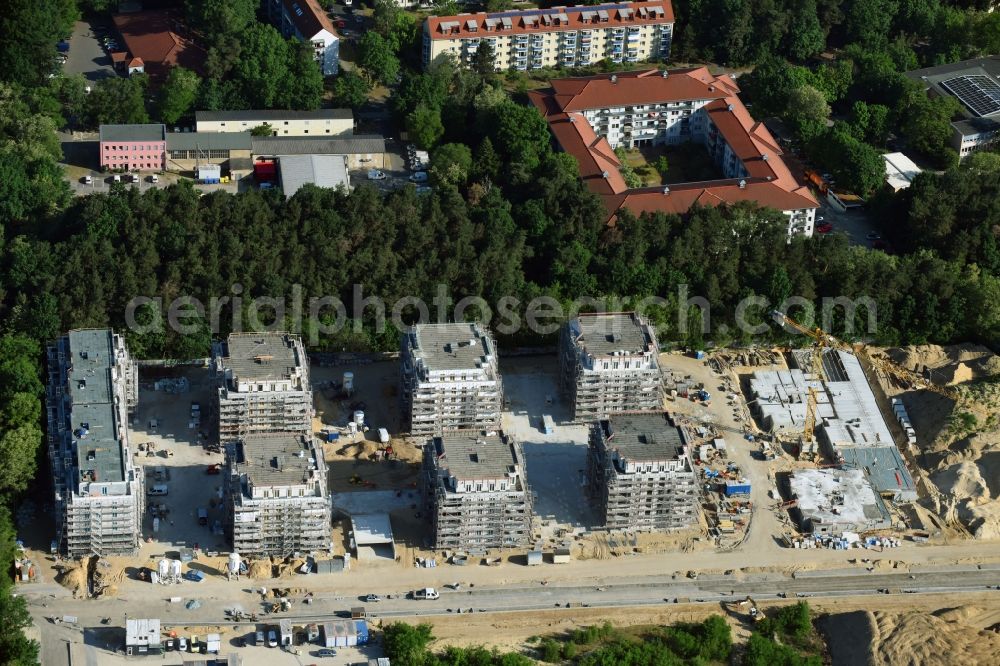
x=737 y=488
x=362 y=628
x=332 y=436
x=699 y=355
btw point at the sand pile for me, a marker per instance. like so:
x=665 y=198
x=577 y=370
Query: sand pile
x=290 y=567
x=74 y=577
x=959 y=444
x=260 y=569
x=947 y=637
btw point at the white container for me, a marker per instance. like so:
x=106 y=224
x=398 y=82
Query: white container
x=349 y=383
x=359 y=418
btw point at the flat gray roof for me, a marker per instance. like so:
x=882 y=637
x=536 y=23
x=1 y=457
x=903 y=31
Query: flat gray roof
x=208 y=141
x=371 y=528
x=273 y=459
x=262 y=355
x=319 y=170
x=884 y=467
x=368 y=144
x=644 y=437
x=92 y=399
x=605 y=334
x=150 y=132
x=475 y=455
x=450 y=346
x=266 y=115
x=974 y=126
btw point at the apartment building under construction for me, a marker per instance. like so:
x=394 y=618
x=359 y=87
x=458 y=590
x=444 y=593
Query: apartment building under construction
x=277 y=501
x=450 y=379
x=608 y=363
x=639 y=473
x=476 y=491
x=99 y=491
x=263 y=385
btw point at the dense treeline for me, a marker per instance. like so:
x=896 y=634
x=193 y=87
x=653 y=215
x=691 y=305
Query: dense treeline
x=508 y=217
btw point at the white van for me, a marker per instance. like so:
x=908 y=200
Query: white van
x=154 y=178
x=426 y=593
x=159 y=489
x=88 y=180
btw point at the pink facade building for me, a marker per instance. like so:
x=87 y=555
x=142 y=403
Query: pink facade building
x=134 y=147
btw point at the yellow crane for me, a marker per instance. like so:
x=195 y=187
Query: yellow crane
x=822 y=340
x=877 y=362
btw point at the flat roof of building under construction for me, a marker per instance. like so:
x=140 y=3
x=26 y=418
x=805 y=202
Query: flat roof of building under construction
x=92 y=403
x=837 y=496
x=607 y=334
x=643 y=437
x=473 y=455
x=276 y=459
x=460 y=346
x=264 y=356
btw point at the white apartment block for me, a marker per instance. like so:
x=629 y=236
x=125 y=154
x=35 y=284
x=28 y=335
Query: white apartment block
x=557 y=37
x=592 y=115
x=307 y=21
x=608 y=363
x=476 y=491
x=263 y=385
x=322 y=122
x=99 y=496
x=277 y=500
x=639 y=474
x=450 y=379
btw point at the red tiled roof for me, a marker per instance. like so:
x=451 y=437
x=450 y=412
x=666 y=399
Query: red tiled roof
x=769 y=183
x=520 y=22
x=153 y=37
x=308 y=17
x=640 y=87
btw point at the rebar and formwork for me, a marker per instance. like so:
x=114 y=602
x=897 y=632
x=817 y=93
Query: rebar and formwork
x=476 y=492
x=99 y=492
x=449 y=379
x=639 y=473
x=277 y=501
x=608 y=363
x=263 y=385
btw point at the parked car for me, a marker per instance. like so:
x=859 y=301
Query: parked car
x=215 y=468
x=419 y=177
x=375 y=174
x=153 y=178
x=272 y=638
x=824 y=228
x=87 y=180
x=372 y=598
x=259 y=638
x=325 y=652
x=182 y=644
x=426 y=593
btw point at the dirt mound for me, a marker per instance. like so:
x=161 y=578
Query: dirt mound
x=953 y=364
x=923 y=638
x=958 y=441
x=260 y=569
x=75 y=578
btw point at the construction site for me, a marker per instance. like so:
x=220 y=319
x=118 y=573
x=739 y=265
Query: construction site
x=276 y=495
x=608 y=363
x=449 y=379
x=263 y=385
x=476 y=492
x=640 y=475
x=99 y=493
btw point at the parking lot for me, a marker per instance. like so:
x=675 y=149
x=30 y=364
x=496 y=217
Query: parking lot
x=87 y=56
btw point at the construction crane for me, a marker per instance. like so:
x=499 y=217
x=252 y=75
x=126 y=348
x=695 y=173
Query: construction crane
x=823 y=340
x=878 y=362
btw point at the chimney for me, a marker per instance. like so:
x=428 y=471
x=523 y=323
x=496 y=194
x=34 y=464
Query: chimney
x=614 y=78
x=743 y=184
x=666 y=190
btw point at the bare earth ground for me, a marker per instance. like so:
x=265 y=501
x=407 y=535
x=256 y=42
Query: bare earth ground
x=958 y=447
x=903 y=630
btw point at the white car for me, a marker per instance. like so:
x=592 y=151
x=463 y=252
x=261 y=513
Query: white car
x=272 y=638
x=375 y=174
x=373 y=598
x=182 y=644
x=419 y=177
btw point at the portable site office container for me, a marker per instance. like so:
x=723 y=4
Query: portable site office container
x=312 y=632
x=329 y=637
x=285 y=627
x=361 y=628
x=209 y=173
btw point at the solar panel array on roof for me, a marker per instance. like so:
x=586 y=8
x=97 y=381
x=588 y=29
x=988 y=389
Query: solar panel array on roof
x=979 y=92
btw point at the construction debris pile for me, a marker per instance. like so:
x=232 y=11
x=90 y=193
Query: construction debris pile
x=729 y=360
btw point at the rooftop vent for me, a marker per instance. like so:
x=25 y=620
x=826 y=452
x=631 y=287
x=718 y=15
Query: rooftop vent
x=664 y=73
x=743 y=184
x=614 y=78
x=605 y=175
x=728 y=107
x=764 y=157
x=666 y=190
